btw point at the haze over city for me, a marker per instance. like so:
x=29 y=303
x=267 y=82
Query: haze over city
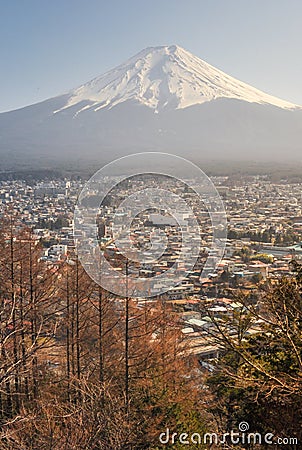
x=150 y=225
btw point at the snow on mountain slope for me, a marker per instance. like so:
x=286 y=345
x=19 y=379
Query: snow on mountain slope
x=202 y=113
x=166 y=77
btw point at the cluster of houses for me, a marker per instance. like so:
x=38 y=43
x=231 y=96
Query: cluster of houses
x=264 y=236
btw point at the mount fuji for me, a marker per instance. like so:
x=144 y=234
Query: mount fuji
x=162 y=99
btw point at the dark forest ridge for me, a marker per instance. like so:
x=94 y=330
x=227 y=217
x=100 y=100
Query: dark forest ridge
x=291 y=172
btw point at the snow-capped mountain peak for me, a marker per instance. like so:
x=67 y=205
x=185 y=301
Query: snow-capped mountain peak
x=165 y=77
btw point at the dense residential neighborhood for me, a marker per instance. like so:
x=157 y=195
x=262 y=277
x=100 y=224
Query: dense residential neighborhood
x=151 y=225
x=264 y=236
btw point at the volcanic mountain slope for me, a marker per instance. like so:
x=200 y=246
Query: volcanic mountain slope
x=162 y=78
x=162 y=99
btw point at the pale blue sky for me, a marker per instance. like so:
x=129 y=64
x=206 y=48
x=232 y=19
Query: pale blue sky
x=49 y=47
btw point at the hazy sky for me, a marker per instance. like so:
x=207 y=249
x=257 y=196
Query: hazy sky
x=51 y=46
